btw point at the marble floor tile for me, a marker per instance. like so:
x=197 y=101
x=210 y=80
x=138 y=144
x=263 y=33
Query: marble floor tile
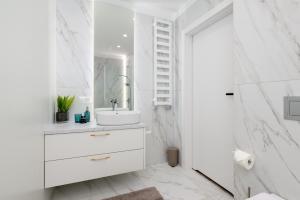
x=173 y=183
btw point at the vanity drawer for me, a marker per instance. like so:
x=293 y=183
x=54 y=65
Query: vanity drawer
x=71 y=145
x=73 y=170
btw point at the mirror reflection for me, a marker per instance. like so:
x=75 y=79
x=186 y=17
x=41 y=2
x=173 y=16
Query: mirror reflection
x=113 y=57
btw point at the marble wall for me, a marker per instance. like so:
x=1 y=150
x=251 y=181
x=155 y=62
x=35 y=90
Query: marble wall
x=267 y=68
x=75 y=72
x=267 y=64
x=74 y=51
x=160 y=120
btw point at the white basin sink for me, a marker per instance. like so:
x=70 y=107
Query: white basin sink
x=115 y=118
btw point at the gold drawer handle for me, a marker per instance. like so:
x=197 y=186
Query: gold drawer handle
x=103 y=158
x=99 y=134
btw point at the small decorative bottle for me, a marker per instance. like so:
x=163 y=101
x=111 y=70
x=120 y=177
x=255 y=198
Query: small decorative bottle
x=87 y=114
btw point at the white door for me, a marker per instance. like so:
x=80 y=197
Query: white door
x=213 y=110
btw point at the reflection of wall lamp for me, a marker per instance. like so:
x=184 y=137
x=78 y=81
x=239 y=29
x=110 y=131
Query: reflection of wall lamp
x=124 y=58
x=128 y=86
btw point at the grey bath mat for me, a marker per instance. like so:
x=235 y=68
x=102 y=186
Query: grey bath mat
x=144 y=194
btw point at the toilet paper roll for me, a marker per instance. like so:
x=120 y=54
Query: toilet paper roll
x=244 y=159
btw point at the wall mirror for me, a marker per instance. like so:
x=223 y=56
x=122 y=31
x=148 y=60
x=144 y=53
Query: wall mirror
x=113 y=56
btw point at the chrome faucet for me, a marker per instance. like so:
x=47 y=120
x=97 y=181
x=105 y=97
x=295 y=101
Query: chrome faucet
x=114 y=103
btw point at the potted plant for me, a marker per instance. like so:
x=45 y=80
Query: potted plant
x=64 y=103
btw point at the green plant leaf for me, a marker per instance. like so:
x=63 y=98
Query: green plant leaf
x=64 y=103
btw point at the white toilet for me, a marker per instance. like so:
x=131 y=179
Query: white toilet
x=265 y=196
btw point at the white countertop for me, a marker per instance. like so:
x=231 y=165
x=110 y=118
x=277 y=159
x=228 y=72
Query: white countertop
x=72 y=127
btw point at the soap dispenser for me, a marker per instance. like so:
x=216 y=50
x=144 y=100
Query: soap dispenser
x=87 y=114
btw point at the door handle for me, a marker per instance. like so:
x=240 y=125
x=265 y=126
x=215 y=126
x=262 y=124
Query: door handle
x=99 y=134
x=100 y=158
x=229 y=94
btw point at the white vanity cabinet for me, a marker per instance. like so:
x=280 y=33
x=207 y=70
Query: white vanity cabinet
x=75 y=157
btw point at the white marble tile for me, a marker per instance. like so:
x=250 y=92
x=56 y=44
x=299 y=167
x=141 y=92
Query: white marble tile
x=173 y=183
x=275 y=142
x=143 y=84
x=143 y=103
x=163 y=135
x=267 y=40
x=267 y=64
x=164 y=124
x=159 y=120
x=143 y=53
x=74 y=49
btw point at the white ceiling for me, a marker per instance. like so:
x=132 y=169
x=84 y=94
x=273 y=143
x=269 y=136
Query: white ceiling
x=170 y=5
x=167 y=9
